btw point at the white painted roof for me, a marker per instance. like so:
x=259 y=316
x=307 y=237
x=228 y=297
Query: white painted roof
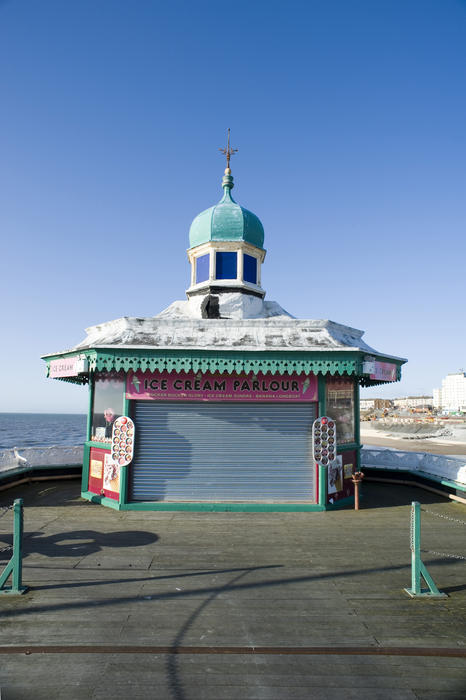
x=253 y=325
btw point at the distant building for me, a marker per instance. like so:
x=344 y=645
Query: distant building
x=451 y=397
x=438 y=399
x=375 y=404
x=414 y=402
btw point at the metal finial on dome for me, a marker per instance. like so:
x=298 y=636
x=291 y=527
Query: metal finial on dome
x=228 y=152
x=227 y=180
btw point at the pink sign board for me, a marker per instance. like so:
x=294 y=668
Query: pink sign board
x=67 y=367
x=384 y=371
x=160 y=386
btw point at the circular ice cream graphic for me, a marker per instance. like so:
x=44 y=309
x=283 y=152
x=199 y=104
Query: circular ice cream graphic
x=324 y=441
x=123 y=440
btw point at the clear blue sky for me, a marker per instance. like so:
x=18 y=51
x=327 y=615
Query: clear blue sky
x=350 y=121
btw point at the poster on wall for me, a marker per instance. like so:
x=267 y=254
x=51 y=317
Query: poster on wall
x=348 y=470
x=335 y=475
x=96 y=469
x=111 y=474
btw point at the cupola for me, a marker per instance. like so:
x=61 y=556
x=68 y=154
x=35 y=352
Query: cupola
x=226 y=246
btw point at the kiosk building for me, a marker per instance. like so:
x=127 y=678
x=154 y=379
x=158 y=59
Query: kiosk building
x=221 y=389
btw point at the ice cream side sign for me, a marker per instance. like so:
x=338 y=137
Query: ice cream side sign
x=68 y=367
x=211 y=387
x=385 y=371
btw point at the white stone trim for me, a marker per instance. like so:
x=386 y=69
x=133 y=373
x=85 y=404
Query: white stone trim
x=239 y=266
x=211 y=248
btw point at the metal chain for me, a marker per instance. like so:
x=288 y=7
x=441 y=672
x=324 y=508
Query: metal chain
x=443 y=554
x=411 y=530
x=4 y=510
x=445 y=517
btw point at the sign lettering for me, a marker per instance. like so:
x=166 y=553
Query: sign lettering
x=160 y=386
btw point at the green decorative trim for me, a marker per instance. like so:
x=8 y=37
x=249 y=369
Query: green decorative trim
x=81 y=379
x=275 y=362
x=230 y=363
x=224 y=362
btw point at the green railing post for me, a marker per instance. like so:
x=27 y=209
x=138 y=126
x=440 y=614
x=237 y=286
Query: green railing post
x=416 y=547
x=14 y=568
x=418 y=569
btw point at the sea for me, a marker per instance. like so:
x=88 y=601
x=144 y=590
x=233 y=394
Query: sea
x=41 y=429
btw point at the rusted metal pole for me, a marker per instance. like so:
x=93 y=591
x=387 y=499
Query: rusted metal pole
x=357 y=478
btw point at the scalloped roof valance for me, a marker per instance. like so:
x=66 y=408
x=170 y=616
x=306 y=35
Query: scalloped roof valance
x=117 y=359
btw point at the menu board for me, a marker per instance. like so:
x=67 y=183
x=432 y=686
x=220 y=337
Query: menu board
x=122 y=441
x=324 y=440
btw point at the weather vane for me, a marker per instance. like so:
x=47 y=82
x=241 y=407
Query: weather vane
x=228 y=152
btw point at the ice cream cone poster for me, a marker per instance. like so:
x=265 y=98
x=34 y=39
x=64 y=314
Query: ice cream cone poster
x=111 y=474
x=335 y=475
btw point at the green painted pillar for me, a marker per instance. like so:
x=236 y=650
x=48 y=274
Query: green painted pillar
x=323 y=475
x=85 y=470
x=124 y=471
x=87 y=451
x=323 y=485
x=90 y=406
x=124 y=478
x=357 y=425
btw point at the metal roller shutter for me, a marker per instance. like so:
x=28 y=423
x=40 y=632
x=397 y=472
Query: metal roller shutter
x=223 y=452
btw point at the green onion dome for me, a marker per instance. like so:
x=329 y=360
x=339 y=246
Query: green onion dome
x=226 y=221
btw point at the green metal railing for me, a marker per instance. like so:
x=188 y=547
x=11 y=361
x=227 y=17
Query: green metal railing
x=418 y=570
x=14 y=568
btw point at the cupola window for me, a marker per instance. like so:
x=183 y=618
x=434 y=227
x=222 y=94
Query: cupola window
x=250 y=268
x=202 y=268
x=226 y=265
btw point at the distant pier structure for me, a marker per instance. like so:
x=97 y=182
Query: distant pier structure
x=210 y=404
